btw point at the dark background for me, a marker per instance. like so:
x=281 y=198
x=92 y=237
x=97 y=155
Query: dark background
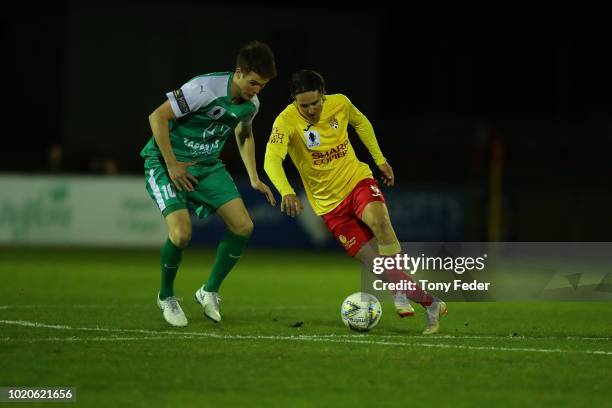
x=440 y=88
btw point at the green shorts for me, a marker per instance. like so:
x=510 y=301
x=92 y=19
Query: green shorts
x=215 y=187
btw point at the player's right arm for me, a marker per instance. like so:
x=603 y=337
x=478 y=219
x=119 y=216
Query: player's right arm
x=158 y=120
x=276 y=151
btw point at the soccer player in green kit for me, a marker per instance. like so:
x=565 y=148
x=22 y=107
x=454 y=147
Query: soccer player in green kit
x=183 y=169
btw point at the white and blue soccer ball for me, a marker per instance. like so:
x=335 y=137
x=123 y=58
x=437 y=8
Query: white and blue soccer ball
x=361 y=311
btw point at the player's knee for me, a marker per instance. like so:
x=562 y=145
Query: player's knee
x=180 y=236
x=384 y=232
x=244 y=228
x=379 y=225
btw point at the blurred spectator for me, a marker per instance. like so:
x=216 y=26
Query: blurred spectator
x=56 y=158
x=103 y=165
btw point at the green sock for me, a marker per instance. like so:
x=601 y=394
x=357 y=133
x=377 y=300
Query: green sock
x=170 y=261
x=228 y=252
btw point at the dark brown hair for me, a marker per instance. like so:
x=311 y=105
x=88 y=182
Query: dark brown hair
x=257 y=57
x=306 y=80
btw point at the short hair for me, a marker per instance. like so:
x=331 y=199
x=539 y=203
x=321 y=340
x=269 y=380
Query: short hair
x=306 y=80
x=257 y=57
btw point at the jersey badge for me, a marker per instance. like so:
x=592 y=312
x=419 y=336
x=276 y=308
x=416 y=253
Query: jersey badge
x=333 y=122
x=215 y=112
x=375 y=191
x=312 y=138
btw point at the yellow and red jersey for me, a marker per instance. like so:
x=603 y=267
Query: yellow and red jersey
x=321 y=152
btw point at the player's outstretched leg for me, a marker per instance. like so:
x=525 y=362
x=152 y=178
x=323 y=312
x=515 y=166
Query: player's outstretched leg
x=376 y=217
x=366 y=255
x=229 y=251
x=179 y=231
x=402 y=305
x=434 y=311
x=434 y=308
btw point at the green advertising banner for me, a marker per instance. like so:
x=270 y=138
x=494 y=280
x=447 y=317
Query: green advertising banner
x=108 y=211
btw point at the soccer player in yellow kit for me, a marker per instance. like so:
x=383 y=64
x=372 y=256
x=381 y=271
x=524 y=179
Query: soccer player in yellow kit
x=340 y=188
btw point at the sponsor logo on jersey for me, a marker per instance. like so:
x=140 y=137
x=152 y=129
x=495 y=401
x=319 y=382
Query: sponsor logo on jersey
x=312 y=138
x=333 y=122
x=276 y=136
x=181 y=101
x=198 y=149
x=319 y=158
x=215 y=112
x=347 y=243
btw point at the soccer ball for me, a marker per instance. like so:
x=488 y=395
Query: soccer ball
x=361 y=311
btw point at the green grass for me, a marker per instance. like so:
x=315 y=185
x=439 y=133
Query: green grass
x=507 y=354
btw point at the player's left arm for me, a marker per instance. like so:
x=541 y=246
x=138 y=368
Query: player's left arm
x=246 y=147
x=365 y=131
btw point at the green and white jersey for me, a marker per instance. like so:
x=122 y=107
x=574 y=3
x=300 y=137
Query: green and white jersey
x=206 y=117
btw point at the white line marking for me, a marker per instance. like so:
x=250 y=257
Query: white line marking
x=73 y=306
x=468 y=336
x=85 y=339
x=296 y=338
x=280 y=308
x=148 y=306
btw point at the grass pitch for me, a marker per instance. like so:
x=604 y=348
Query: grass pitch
x=88 y=319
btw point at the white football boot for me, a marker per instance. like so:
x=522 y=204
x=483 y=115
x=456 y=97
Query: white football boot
x=172 y=311
x=210 y=304
x=402 y=305
x=434 y=311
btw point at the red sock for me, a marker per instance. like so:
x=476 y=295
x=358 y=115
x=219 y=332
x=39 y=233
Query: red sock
x=417 y=295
